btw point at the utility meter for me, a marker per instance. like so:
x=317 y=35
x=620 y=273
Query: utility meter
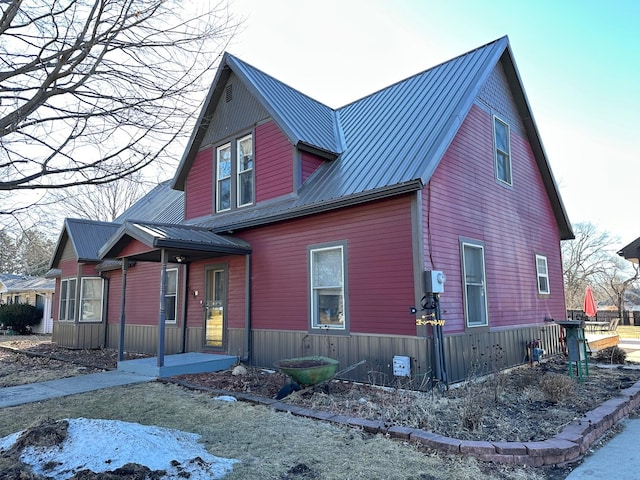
x=434 y=281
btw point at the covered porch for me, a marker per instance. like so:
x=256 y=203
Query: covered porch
x=177 y=244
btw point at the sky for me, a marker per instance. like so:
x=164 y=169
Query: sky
x=579 y=61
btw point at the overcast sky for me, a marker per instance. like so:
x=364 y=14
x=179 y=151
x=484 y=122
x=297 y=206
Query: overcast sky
x=579 y=61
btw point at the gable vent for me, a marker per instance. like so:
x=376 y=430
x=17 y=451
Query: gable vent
x=228 y=93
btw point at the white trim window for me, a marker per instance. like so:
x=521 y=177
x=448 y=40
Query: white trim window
x=502 y=151
x=171 y=296
x=223 y=178
x=327 y=275
x=475 y=284
x=91 y=299
x=67 y=300
x=245 y=171
x=542 y=271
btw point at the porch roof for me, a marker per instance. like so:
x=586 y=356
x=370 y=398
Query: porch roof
x=183 y=243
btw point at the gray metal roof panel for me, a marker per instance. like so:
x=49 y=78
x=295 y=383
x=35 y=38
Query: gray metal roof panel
x=161 y=204
x=158 y=235
x=87 y=236
x=301 y=117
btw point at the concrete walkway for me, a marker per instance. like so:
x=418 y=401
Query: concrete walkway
x=618 y=458
x=37 y=392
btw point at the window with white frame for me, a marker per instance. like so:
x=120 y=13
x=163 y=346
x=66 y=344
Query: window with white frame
x=245 y=171
x=327 y=274
x=67 y=300
x=235 y=177
x=171 y=296
x=223 y=178
x=503 y=151
x=91 y=299
x=542 y=270
x=475 y=290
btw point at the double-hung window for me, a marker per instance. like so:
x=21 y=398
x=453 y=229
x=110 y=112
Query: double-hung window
x=542 y=270
x=475 y=290
x=502 y=151
x=171 y=296
x=91 y=299
x=245 y=171
x=67 y=300
x=235 y=174
x=223 y=176
x=328 y=299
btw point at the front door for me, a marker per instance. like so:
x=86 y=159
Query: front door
x=215 y=307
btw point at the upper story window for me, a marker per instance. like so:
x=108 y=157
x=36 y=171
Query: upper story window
x=235 y=174
x=475 y=284
x=542 y=271
x=503 y=151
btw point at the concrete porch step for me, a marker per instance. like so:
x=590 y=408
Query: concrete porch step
x=180 y=364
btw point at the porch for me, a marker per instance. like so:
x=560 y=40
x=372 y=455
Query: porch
x=179 y=364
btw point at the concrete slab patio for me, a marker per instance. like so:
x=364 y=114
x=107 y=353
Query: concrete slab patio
x=180 y=364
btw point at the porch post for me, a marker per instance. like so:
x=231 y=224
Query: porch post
x=125 y=265
x=163 y=317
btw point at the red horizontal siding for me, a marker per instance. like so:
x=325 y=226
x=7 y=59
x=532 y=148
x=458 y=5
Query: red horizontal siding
x=463 y=199
x=309 y=164
x=236 y=270
x=199 y=185
x=274 y=162
x=379 y=268
x=134 y=247
x=142 y=305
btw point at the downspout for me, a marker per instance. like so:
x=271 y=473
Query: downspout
x=123 y=297
x=162 y=318
x=247 y=314
x=185 y=301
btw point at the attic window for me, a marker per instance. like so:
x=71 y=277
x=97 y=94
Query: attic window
x=228 y=93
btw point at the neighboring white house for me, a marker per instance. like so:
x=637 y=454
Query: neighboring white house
x=36 y=291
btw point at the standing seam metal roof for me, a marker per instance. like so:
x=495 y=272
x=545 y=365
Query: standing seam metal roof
x=390 y=138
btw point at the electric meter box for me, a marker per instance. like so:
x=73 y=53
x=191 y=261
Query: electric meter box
x=434 y=281
x=401 y=366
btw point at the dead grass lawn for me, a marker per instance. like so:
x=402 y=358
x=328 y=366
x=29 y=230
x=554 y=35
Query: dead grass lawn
x=269 y=445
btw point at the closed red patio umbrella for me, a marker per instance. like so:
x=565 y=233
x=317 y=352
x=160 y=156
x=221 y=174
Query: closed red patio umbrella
x=590 y=308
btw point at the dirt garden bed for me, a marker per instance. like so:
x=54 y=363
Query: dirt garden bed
x=523 y=404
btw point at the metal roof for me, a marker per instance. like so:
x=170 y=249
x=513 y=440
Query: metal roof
x=291 y=109
x=161 y=204
x=86 y=236
x=181 y=240
x=390 y=139
x=27 y=284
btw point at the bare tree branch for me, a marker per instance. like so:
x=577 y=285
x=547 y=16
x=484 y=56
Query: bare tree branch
x=92 y=91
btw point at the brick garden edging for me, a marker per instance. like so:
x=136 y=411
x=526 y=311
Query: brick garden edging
x=567 y=446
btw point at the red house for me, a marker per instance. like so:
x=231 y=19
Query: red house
x=307 y=230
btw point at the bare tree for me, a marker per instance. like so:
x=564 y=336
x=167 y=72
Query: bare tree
x=92 y=91
x=585 y=261
x=619 y=277
x=102 y=202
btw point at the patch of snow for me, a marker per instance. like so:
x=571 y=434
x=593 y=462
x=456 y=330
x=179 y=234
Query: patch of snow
x=104 y=445
x=226 y=398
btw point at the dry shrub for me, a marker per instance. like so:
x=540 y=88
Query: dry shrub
x=612 y=355
x=473 y=407
x=556 y=387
